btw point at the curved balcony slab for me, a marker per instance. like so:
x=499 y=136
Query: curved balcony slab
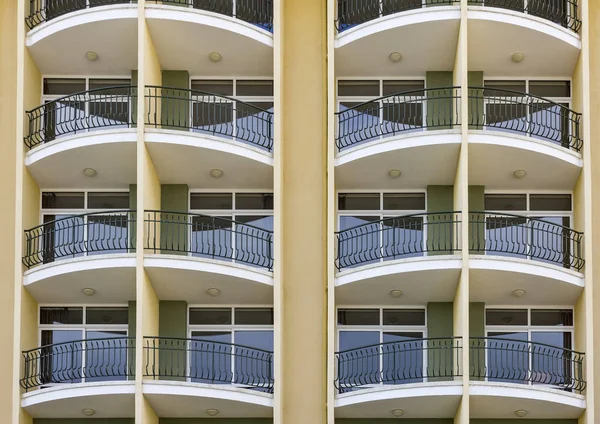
x=59 y=163
x=425 y=158
x=110 y=31
x=495 y=34
x=112 y=276
x=422 y=400
x=175 y=399
x=500 y=400
x=182 y=157
x=364 y=49
x=422 y=280
x=177 y=277
x=113 y=399
x=247 y=48
x=495 y=155
x=494 y=278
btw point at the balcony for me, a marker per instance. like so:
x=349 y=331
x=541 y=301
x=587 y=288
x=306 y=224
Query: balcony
x=394 y=254
x=397 y=131
x=194 y=374
x=187 y=130
x=94 y=127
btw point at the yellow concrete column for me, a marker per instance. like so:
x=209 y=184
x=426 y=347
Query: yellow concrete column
x=300 y=211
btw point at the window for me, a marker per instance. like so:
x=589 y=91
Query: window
x=380 y=346
x=529 y=345
x=83 y=344
x=231 y=345
x=530 y=225
x=78 y=223
x=91 y=103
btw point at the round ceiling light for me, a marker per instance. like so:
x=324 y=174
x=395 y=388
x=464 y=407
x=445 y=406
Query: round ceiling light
x=395 y=57
x=88 y=291
x=521 y=413
x=394 y=173
x=397 y=412
x=216 y=173
x=214 y=292
x=212 y=412
x=90 y=172
x=215 y=57
x=519 y=293
x=519 y=173
x=91 y=56
x=396 y=293
x=88 y=412
x=518 y=57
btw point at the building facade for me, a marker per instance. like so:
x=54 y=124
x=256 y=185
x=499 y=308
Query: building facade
x=320 y=211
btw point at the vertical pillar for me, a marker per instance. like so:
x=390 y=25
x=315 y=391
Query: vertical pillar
x=300 y=211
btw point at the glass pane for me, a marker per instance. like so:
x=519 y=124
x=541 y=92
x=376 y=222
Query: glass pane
x=551 y=240
x=253 y=240
x=359 y=240
x=106 y=83
x=63 y=200
x=507 y=114
x=358 y=367
x=109 y=110
x=358 y=201
x=106 y=356
x=550 y=122
x=395 y=87
x=107 y=315
x=549 y=88
x=358 y=122
x=552 y=317
x=104 y=200
x=222 y=87
x=211 y=201
x=551 y=360
x=390 y=7
x=505 y=202
x=211 y=357
x=256 y=201
x=401 y=115
x=210 y=316
x=62 y=86
x=402 y=237
x=63 y=236
x=506 y=317
x=508 y=357
x=107 y=233
x=507 y=236
x=254 y=88
x=254 y=123
x=56 y=315
x=402 y=357
x=550 y=202
x=354 y=12
x=254 y=367
x=55 y=8
x=213 y=116
x=403 y=317
x=212 y=237
x=404 y=201
x=60 y=356
x=254 y=316
x=358 y=88
x=358 y=317
x=557 y=11
x=518 y=86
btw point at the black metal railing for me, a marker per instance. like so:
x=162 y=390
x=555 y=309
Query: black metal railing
x=205 y=361
x=507 y=360
x=355 y=12
x=408 y=361
x=522 y=113
x=398 y=237
x=525 y=237
x=209 y=237
x=85 y=111
x=564 y=12
x=255 y=12
x=79 y=235
x=79 y=361
x=208 y=113
x=387 y=116
x=41 y=11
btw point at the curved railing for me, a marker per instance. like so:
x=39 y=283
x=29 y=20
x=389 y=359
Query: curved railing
x=564 y=13
x=208 y=237
x=398 y=237
x=355 y=12
x=508 y=360
x=206 y=361
x=208 y=113
x=41 y=11
x=430 y=108
x=522 y=113
x=525 y=237
x=79 y=235
x=85 y=111
x=255 y=12
x=408 y=361
x=79 y=361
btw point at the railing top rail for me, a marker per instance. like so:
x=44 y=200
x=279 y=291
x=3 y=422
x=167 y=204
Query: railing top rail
x=71 y=342
x=391 y=218
x=116 y=212
x=191 y=339
x=458 y=338
x=515 y=93
x=400 y=94
x=205 y=93
x=210 y=216
x=86 y=92
x=529 y=342
x=528 y=218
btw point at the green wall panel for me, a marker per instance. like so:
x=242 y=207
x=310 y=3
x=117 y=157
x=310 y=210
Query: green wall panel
x=131 y=320
x=172 y=322
x=83 y=421
x=439 y=102
x=175 y=104
x=477 y=329
x=173 y=236
x=440 y=324
x=132 y=206
x=134 y=81
x=477 y=229
x=394 y=420
x=475 y=79
x=439 y=236
x=215 y=421
x=521 y=421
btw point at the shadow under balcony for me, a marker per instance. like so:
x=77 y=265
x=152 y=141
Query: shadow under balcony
x=70 y=253
x=410 y=375
x=416 y=131
x=189 y=133
x=513 y=252
x=92 y=129
x=511 y=130
x=186 y=254
x=418 y=254
x=61 y=379
x=184 y=376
